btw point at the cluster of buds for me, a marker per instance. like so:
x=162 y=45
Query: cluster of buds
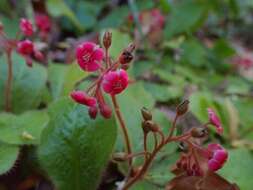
x=148 y=125
x=25 y=47
x=112 y=77
x=198 y=160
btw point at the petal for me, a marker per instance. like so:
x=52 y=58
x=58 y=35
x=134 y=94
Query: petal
x=93 y=66
x=214 y=165
x=98 y=54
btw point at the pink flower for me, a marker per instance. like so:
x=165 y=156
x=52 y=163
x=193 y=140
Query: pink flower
x=114 y=82
x=26 y=27
x=89 y=56
x=25 y=47
x=82 y=98
x=159 y=19
x=43 y=23
x=217 y=156
x=214 y=120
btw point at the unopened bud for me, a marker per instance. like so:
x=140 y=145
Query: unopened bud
x=182 y=108
x=107 y=39
x=93 y=112
x=149 y=126
x=126 y=55
x=105 y=111
x=1 y=27
x=119 y=156
x=146 y=114
x=199 y=132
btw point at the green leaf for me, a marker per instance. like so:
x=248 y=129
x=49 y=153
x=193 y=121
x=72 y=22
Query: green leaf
x=238 y=168
x=27 y=85
x=59 y=8
x=22 y=129
x=115 y=18
x=163 y=92
x=75 y=149
x=185 y=17
x=193 y=53
x=62 y=78
x=8 y=157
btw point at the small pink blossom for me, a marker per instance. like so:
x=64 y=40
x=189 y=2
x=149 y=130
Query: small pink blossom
x=214 y=120
x=82 y=98
x=159 y=19
x=217 y=156
x=89 y=56
x=43 y=23
x=25 y=47
x=114 y=82
x=26 y=27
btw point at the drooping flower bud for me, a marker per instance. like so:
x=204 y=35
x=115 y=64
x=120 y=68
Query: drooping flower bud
x=107 y=39
x=105 y=111
x=89 y=56
x=146 y=114
x=114 y=82
x=217 y=156
x=82 y=98
x=93 y=112
x=25 y=47
x=26 y=27
x=43 y=23
x=214 y=120
x=38 y=55
x=126 y=55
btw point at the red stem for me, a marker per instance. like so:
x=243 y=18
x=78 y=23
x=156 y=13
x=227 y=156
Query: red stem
x=123 y=126
x=8 y=85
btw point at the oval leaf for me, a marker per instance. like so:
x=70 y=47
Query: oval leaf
x=75 y=149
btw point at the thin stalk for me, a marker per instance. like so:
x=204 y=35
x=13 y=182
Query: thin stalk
x=172 y=129
x=148 y=162
x=8 y=85
x=123 y=126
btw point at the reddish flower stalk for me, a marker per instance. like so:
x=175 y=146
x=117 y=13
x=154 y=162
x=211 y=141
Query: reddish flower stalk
x=123 y=126
x=8 y=85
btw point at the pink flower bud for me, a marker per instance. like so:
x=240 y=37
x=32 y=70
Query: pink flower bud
x=93 y=112
x=26 y=27
x=25 y=47
x=38 y=55
x=89 y=56
x=114 y=82
x=105 y=111
x=82 y=98
x=214 y=120
x=217 y=156
x=43 y=23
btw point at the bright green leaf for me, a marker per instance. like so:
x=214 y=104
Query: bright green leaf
x=22 y=129
x=27 y=85
x=75 y=149
x=8 y=157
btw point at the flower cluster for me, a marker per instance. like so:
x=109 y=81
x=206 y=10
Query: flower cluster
x=199 y=160
x=43 y=24
x=26 y=47
x=112 y=78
